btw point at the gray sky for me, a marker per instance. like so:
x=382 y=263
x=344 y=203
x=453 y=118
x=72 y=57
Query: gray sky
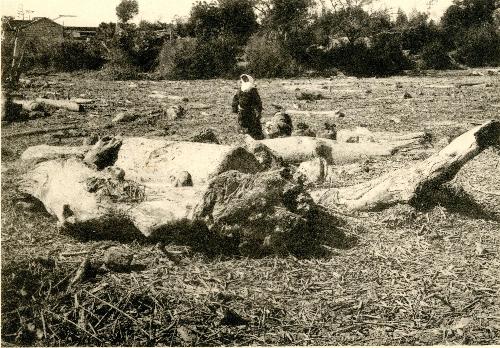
x=93 y=12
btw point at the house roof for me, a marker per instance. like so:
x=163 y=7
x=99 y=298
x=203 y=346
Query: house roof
x=21 y=23
x=81 y=28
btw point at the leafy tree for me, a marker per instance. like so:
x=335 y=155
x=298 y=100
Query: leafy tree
x=106 y=31
x=234 y=18
x=379 y=22
x=147 y=44
x=472 y=29
x=350 y=22
x=401 y=19
x=238 y=18
x=464 y=14
x=182 y=27
x=435 y=56
x=284 y=16
x=419 y=32
x=479 y=46
x=126 y=10
x=205 y=20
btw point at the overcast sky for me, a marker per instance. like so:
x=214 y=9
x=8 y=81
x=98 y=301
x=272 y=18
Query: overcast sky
x=93 y=12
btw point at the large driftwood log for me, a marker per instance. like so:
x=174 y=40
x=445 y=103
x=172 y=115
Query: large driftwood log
x=263 y=212
x=298 y=149
x=157 y=160
x=409 y=184
x=363 y=134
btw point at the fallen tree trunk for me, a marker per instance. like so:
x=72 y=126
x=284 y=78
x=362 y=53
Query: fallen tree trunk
x=82 y=100
x=29 y=105
x=297 y=149
x=315 y=113
x=363 y=134
x=37 y=104
x=156 y=160
x=61 y=104
x=410 y=184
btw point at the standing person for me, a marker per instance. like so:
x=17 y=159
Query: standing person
x=247 y=104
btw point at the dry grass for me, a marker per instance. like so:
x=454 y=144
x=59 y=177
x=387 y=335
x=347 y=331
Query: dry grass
x=427 y=276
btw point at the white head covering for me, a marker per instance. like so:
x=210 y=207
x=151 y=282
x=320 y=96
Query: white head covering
x=248 y=85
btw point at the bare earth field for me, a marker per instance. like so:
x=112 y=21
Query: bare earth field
x=406 y=276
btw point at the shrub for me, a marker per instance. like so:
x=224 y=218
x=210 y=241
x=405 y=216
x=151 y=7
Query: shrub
x=176 y=59
x=480 y=46
x=386 y=56
x=418 y=35
x=383 y=58
x=190 y=58
x=119 y=68
x=147 y=45
x=435 y=56
x=268 y=58
x=77 y=55
x=68 y=55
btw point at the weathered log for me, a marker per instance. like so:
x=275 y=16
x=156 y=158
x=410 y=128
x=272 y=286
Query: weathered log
x=37 y=104
x=29 y=105
x=295 y=149
x=41 y=153
x=263 y=210
x=157 y=160
x=61 y=104
x=82 y=100
x=300 y=149
x=125 y=117
x=410 y=185
x=365 y=135
x=315 y=113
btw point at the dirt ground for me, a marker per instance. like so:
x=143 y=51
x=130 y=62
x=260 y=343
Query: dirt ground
x=408 y=277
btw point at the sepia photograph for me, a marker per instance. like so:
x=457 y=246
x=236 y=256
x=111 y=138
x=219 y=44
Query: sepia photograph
x=250 y=173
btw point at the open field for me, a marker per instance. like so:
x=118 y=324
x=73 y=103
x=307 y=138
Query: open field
x=404 y=277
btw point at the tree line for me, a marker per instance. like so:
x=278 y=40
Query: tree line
x=280 y=38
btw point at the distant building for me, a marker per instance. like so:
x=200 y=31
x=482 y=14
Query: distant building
x=80 y=33
x=39 y=28
x=166 y=34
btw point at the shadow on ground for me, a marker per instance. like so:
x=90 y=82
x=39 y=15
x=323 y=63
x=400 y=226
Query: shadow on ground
x=456 y=200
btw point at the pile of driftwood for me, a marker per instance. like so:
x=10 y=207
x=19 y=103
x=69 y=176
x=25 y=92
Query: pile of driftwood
x=253 y=195
x=14 y=110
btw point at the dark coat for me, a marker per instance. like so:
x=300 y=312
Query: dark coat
x=247 y=101
x=248 y=105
